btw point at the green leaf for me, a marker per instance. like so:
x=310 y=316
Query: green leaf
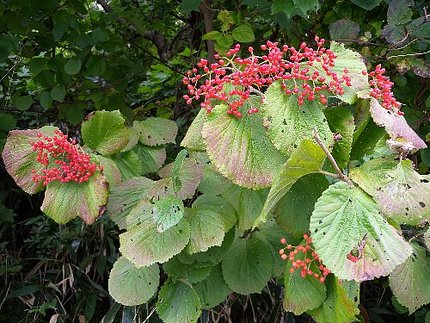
x=143 y=245
x=66 y=201
x=186 y=6
x=243 y=34
x=427 y=238
x=395 y=125
x=178 y=302
x=193 y=139
x=302 y=294
x=239 y=148
x=125 y=196
x=409 y=282
x=337 y=308
x=156 y=131
x=129 y=164
x=367 y=4
x=45 y=99
x=287 y=7
x=399 y=13
x=22 y=103
x=105 y=132
x=176 y=167
x=212 y=35
x=110 y=171
x=7 y=122
x=20 y=159
x=99 y=36
x=248 y=264
x=151 y=158
x=344 y=30
x=178 y=270
x=45 y=78
x=58 y=93
x=289 y=123
x=73 y=66
x=213 y=290
x=129 y=285
x=293 y=211
x=346 y=218
x=401 y=193
x=341 y=121
x=167 y=212
x=307 y=159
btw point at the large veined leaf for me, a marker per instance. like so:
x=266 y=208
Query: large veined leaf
x=129 y=285
x=110 y=170
x=247 y=266
x=395 y=125
x=302 y=294
x=151 y=158
x=105 y=132
x=427 y=239
x=213 y=290
x=293 y=211
x=338 y=307
x=410 y=281
x=369 y=142
x=167 y=212
x=399 y=190
x=178 y=270
x=156 y=131
x=341 y=121
x=178 y=302
x=143 y=245
x=307 y=159
x=125 y=196
x=66 y=201
x=346 y=220
x=213 y=181
x=20 y=159
x=193 y=139
x=288 y=123
x=240 y=149
x=128 y=163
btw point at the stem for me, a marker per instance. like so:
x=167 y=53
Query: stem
x=330 y=157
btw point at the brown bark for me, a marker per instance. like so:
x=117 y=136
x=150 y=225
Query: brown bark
x=206 y=10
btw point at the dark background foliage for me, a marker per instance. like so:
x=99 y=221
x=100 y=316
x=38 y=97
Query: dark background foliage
x=61 y=59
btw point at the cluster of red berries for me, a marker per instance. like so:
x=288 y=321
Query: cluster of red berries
x=310 y=257
x=295 y=68
x=68 y=162
x=380 y=89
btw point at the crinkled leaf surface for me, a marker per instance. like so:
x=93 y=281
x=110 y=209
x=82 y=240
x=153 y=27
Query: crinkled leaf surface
x=156 y=131
x=143 y=245
x=213 y=290
x=289 y=123
x=344 y=217
x=167 y=212
x=20 y=159
x=125 y=196
x=128 y=163
x=105 y=132
x=302 y=294
x=293 y=211
x=178 y=302
x=178 y=270
x=151 y=158
x=341 y=121
x=338 y=307
x=307 y=159
x=410 y=281
x=131 y=286
x=193 y=139
x=399 y=190
x=248 y=264
x=240 y=149
x=65 y=201
x=395 y=125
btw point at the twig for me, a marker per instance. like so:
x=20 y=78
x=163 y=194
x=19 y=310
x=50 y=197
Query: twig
x=330 y=157
x=410 y=54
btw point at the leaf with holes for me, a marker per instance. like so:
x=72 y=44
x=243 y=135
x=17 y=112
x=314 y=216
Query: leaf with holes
x=131 y=286
x=151 y=158
x=288 y=123
x=307 y=159
x=248 y=264
x=178 y=302
x=105 y=132
x=346 y=218
x=156 y=131
x=167 y=212
x=143 y=245
x=239 y=148
x=20 y=159
x=410 y=281
x=401 y=193
x=395 y=125
x=66 y=201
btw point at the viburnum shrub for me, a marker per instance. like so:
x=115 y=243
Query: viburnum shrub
x=297 y=167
